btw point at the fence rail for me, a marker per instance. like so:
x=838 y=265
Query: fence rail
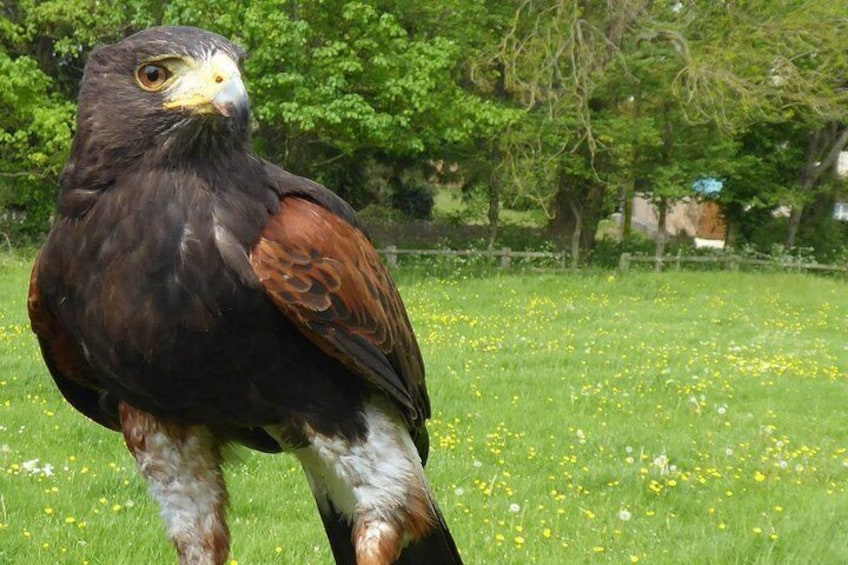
x=731 y=262
x=504 y=254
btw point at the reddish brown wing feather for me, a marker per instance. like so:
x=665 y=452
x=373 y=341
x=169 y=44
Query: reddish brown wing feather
x=327 y=278
x=66 y=363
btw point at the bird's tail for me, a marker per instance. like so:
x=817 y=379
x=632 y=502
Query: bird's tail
x=435 y=548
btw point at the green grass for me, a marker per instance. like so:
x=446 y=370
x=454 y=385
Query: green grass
x=669 y=418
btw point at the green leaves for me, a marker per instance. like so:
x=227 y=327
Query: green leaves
x=35 y=132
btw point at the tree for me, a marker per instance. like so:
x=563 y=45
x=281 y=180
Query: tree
x=791 y=76
x=343 y=84
x=42 y=50
x=341 y=90
x=558 y=60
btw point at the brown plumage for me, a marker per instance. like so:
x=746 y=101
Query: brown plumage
x=190 y=294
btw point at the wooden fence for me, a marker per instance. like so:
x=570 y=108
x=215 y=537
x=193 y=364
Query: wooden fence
x=505 y=254
x=731 y=262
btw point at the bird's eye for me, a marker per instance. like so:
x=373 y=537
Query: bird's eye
x=152 y=76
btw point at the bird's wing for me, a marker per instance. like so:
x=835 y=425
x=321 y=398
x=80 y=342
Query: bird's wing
x=325 y=276
x=66 y=362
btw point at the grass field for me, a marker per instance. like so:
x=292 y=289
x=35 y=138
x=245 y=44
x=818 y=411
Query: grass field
x=671 y=418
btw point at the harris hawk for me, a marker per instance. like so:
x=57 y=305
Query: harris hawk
x=191 y=295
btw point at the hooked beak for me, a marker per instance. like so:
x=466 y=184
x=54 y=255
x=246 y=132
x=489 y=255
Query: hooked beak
x=212 y=87
x=232 y=101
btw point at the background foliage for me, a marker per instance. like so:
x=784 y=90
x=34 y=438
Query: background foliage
x=569 y=108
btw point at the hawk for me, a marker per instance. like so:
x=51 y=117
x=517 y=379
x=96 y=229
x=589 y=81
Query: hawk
x=191 y=295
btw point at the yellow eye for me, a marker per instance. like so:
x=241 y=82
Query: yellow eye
x=152 y=76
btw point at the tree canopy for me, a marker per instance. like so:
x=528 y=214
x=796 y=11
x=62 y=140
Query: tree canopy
x=572 y=107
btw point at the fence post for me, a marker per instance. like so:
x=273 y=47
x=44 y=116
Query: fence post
x=677 y=260
x=391 y=255
x=624 y=263
x=505 y=258
x=734 y=263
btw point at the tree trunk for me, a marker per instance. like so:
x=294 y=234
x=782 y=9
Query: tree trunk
x=577 y=212
x=733 y=214
x=731 y=235
x=662 y=212
x=563 y=224
x=627 y=208
x=794 y=224
x=822 y=153
x=494 y=212
x=576 y=236
x=593 y=210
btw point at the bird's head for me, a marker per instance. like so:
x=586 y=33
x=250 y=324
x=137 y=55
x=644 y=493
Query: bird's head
x=164 y=88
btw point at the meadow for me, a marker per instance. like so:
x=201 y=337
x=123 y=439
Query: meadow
x=578 y=418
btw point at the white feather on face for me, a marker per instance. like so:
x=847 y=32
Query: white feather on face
x=197 y=82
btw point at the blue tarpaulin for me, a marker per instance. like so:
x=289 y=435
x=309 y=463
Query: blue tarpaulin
x=707 y=187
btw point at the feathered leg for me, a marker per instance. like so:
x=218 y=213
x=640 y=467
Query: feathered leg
x=182 y=466
x=373 y=498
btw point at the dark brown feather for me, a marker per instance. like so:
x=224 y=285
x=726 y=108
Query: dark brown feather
x=66 y=362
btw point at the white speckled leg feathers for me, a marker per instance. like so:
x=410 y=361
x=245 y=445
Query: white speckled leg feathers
x=182 y=466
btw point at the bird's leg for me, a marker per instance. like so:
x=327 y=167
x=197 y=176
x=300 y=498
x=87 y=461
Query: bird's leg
x=182 y=466
x=375 y=484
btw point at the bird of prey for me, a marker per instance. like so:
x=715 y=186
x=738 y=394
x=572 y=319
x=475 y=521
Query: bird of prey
x=192 y=295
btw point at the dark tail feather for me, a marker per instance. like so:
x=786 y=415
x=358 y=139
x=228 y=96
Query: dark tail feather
x=338 y=533
x=436 y=548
